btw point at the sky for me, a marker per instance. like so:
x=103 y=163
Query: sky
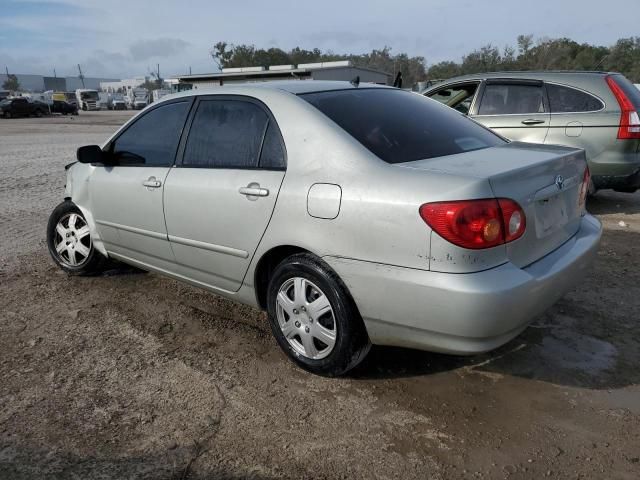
x=127 y=38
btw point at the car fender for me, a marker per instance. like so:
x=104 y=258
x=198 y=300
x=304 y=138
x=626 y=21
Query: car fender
x=77 y=190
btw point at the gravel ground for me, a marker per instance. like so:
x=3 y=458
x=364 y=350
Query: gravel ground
x=132 y=375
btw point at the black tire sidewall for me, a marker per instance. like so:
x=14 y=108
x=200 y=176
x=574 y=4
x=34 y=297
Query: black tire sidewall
x=95 y=258
x=351 y=336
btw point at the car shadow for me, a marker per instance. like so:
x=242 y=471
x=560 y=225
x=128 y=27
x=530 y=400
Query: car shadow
x=589 y=339
x=610 y=202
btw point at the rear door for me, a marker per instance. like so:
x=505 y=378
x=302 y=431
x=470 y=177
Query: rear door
x=219 y=199
x=126 y=197
x=516 y=109
x=579 y=119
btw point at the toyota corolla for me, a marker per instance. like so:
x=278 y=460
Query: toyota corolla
x=354 y=215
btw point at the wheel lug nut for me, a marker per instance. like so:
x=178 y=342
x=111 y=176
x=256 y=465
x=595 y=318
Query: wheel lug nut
x=304 y=309
x=295 y=312
x=297 y=324
x=306 y=329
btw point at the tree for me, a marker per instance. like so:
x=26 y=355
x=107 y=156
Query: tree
x=11 y=83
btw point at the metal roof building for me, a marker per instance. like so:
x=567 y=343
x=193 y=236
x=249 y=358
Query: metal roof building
x=342 y=70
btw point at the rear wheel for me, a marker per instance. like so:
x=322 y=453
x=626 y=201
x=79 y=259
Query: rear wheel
x=69 y=241
x=313 y=317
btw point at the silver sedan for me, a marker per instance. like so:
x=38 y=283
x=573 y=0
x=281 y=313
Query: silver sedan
x=354 y=215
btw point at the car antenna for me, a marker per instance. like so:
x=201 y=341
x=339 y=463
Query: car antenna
x=398 y=81
x=356 y=81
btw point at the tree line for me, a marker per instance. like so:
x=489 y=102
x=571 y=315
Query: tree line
x=527 y=54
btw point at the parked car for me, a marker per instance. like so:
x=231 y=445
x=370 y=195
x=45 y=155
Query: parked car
x=353 y=215
x=117 y=102
x=22 y=107
x=64 y=107
x=595 y=111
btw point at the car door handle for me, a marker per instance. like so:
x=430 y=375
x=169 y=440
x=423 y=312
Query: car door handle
x=152 y=182
x=254 y=190
x=532 y=121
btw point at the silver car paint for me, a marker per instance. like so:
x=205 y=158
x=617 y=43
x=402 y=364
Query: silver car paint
x=377 y=229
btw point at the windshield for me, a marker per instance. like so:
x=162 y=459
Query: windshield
x=89 y=95
x=400 y=126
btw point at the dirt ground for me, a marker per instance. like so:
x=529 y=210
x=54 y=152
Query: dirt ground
x=132 y=375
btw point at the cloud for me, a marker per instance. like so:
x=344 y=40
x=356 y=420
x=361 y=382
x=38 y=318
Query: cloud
x=159 y=47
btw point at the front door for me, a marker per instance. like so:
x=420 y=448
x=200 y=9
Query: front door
x=219 y=200
x=126 y=196
x=515 y=109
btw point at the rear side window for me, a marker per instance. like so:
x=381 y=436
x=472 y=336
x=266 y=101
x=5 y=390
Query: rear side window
x=400 y=126
x=225 y=134
x=153 y=138
x=567 y=100
x=511 y=99
x=272 y=155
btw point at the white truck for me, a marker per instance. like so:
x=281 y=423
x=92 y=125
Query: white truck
x=88 y=99
x=117 y=102
x=159 y=93
x=137 y=98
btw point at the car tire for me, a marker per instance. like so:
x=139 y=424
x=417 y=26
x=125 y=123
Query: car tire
x=38 y=113
x=299 y=327
x=70 y=244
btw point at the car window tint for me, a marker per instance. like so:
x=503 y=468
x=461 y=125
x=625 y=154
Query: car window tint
x=225 y=134
x=565 y=99
x=400 y=126
x=509 y=99
x=459 y=97
x=272 y=155
x=154 y=137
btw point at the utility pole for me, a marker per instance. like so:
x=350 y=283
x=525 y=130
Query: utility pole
x=158 y=77
x=81 y=76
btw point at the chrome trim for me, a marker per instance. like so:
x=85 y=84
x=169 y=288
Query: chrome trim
x=209 y=246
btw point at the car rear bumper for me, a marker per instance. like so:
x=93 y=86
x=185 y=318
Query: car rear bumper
x=618 y=182
x=464 y=313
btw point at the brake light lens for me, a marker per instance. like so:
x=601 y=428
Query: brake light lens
x=476 y=224
x=584 y=189
x=629 y=119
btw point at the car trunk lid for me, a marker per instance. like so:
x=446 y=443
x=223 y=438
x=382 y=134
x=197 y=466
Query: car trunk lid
x=544 y=179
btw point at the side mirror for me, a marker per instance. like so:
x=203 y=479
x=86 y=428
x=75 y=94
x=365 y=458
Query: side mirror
x=90 y=154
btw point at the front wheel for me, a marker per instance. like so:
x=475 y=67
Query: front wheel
x=314 y=318
x=69 y=241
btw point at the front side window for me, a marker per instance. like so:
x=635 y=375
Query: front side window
x=566 y=100
x=225 y=134
x=400 y=126
x=153 y=139
x=458 y=97
x=511 y=99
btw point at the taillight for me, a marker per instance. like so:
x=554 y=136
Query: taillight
x=584 y=188
x=476 y=223
x=629 y=119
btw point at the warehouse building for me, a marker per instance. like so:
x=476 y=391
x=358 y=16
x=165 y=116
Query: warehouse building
x=342 y=70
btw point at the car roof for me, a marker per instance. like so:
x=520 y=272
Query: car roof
x=296 y=87
x=534 y=74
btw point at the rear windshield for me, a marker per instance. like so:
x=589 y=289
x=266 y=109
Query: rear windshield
x=630 y=90
x=400 y=126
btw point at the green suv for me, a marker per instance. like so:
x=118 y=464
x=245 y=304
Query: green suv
x=595 y=111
